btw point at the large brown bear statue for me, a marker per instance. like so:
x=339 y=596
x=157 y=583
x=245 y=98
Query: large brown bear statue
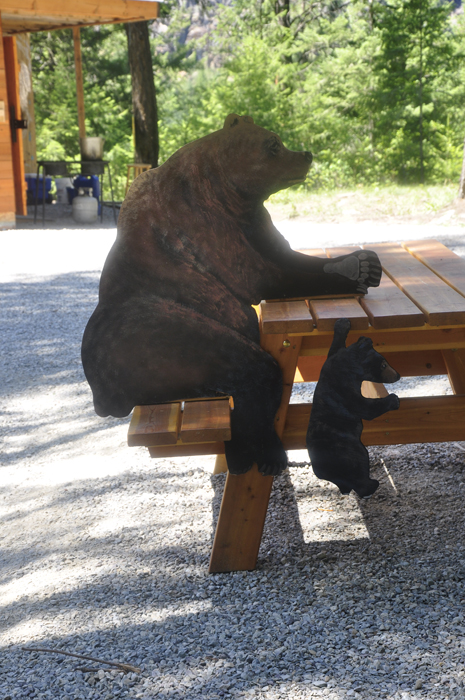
x=195 y=249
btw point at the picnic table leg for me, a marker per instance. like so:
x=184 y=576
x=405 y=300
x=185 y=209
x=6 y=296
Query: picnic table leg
x=221 y=465
x=455 y=365
x=245 y=497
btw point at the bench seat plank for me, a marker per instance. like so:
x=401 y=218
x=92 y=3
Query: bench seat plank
x=286 y=317
x=386 y=306
x=205 y=421
x=155 y=425
x=441 y=304
x=442 y=261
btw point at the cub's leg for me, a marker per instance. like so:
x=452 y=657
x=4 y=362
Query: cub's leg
x=341 y=331
x=347 y=466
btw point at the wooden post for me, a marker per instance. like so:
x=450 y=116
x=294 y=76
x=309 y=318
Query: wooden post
x=14 y=109
x=7 y=191
x=79 y=82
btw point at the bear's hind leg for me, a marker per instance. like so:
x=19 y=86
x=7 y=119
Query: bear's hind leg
x=257 y=396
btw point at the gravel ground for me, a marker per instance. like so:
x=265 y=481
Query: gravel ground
x=105 y=551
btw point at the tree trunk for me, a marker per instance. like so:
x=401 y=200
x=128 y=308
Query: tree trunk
x=144 y=101
x=283 y=8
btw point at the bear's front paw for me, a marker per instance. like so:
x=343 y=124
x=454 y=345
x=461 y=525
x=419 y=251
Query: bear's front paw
x=394 y=402
x=362 y=267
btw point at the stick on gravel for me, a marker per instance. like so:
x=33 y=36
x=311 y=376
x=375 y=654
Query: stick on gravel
x=127 y=668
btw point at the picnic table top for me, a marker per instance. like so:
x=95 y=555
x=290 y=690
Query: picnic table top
x=423 y=287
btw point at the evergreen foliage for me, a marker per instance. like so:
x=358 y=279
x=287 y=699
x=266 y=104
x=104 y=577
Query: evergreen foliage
x=375 y=90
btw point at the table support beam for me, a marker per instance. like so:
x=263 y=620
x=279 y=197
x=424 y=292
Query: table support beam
x=455 y=365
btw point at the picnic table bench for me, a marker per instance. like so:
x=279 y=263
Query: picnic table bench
x=416 y=319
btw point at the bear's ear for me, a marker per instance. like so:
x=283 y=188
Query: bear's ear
x=234 y=119
x=231 y=120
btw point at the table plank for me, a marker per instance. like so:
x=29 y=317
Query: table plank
x=442 y=261
x=386 y=306
x=325 y=313
x=441 y=304
x=285 y=317
x=205 y=421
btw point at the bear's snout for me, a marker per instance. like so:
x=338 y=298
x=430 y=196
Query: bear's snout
x=389 y=375
x=308 y=156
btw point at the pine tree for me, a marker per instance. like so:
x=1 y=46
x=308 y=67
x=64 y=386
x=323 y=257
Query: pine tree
x=416 y=53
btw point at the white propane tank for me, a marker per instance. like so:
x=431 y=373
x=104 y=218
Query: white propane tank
x=85 y=208
x=61 y=184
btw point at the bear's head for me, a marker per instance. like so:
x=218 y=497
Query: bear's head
x=257 y=161
x=241 y=159
x=369 y=364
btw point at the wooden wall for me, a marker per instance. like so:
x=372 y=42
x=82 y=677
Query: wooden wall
x=7 y=192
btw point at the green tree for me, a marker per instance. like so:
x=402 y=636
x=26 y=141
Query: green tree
x=416 y=57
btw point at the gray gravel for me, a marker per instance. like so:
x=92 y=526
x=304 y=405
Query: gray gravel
x=105 y=551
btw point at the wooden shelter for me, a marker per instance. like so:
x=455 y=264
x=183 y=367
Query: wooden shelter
x=17 y=19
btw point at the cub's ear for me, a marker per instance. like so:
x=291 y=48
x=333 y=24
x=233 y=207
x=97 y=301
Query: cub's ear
x=231 y=120
x=234 y=119
x=364 y=343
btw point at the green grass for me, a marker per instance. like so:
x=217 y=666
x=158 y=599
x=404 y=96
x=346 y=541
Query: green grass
x=388 y=203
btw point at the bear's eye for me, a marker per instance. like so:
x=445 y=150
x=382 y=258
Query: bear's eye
x=383 y=365
x=273 y=146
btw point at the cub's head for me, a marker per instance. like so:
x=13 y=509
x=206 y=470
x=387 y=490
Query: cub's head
x=371 y=364
x=256 y=160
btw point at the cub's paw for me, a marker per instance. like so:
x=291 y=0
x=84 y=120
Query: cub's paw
x=342 y=327
x=362 y=267
x=367 y=490
x=394 y=402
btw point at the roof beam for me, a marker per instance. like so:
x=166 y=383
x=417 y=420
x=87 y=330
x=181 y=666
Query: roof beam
x=42 y=15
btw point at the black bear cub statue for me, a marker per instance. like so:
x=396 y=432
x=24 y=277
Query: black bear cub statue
x=333 y=437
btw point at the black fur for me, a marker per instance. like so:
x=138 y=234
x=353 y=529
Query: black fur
x=335 y=428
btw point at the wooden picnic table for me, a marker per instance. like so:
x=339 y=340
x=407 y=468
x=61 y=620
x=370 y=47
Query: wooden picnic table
x=416 y=319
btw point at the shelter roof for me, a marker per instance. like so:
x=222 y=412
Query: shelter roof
x=18 y=16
